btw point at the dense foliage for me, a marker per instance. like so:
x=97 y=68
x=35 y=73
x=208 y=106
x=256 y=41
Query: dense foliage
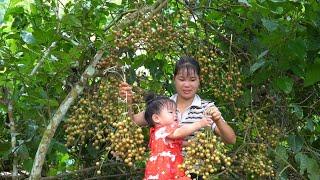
x=260 y=63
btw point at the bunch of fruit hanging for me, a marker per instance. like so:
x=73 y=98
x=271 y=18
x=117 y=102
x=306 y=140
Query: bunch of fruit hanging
x=101 y=120
x=205 y=153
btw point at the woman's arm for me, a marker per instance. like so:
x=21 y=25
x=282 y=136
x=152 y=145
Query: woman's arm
x=139 y=119
x=188 y=129
x=125 y=92
x=222 y=128
x=225 y=132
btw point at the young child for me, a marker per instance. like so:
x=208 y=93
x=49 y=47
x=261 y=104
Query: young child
x=166 y=138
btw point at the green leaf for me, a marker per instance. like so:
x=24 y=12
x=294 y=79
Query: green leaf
x=312 y=74
x=256 y=66
x=245 y=2
x=264 y=53
x=49 y=102
x=302 y=159
x=58 y=146
x=5 y=149
x=295 y=142
x=298 y=48
x=284 y=84
x=297 y=110
x=71 y=20
x=23 y=152
x=277 y=1
x=14 y=2
x=281 y=155
x=271 y=25
x=279 y=10
x=27 y=164
x=309 y=164
x=310 y=125
x=27 y=37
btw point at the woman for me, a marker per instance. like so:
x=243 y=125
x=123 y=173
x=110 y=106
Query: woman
x=190 y=106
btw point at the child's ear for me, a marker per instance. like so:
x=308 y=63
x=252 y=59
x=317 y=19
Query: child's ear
x=156 y=118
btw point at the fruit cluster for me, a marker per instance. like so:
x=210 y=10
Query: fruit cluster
x=254 y=159
x=127 y=140
x=205 y=155
x=100 y=119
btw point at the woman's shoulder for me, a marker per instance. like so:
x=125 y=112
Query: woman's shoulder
x=206 y=103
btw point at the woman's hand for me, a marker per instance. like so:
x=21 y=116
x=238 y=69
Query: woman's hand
x=214 y=113
x=125 y=92
x=222 y=128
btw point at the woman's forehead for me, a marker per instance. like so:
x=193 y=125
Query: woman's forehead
x=187 y=72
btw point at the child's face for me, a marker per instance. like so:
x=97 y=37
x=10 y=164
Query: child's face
x=168 y=115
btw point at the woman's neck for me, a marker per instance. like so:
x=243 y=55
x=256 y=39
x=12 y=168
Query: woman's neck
x=183 y=104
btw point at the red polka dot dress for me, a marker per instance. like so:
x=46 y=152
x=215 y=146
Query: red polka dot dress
x=165 y=155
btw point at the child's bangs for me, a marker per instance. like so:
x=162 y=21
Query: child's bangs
x=169 y=104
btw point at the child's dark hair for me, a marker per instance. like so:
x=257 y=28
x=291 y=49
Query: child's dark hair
x=188 y=63
x=155 y=104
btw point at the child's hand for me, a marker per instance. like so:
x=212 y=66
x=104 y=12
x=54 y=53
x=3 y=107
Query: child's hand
x=125 y=92
x=205 y=121
x=214 y=113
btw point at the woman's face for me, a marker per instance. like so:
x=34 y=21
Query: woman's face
x=187 y=83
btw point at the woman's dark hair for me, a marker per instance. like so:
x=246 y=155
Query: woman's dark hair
x=188 y=63
x=155 y=104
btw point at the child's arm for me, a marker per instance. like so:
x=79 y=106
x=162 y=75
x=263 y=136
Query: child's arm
x=188 y=129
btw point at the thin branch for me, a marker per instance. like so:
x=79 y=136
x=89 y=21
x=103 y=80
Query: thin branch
x=13 y=133
x=3 y=101
x=116 y=175
x=61 y=111
x=118 y=18
x=46 y=53
x=81 y=171
x=155 y=8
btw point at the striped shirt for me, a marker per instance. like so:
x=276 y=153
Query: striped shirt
x=195 y=111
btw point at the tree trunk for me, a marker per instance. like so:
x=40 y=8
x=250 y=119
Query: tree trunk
x=56 y=119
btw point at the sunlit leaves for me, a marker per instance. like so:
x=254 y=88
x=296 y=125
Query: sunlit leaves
x=71 y=20
x=27 y=37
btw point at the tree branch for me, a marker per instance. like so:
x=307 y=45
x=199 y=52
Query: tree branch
x=73 y=94
x=57 y=117
x=156 y=7
x=81 y=171
x=6 y=101
x=13 y=141
x=46 y=53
